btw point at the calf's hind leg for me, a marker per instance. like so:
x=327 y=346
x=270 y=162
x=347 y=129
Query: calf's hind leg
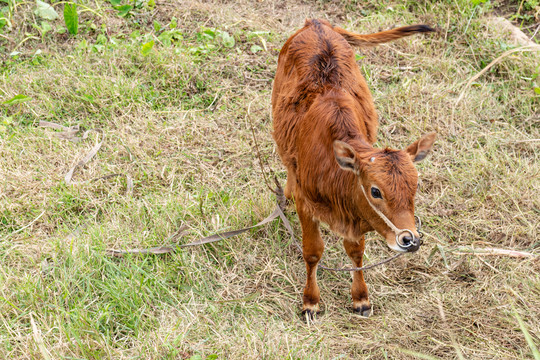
x=312 y=249
x=359 y=291
x=291 y=183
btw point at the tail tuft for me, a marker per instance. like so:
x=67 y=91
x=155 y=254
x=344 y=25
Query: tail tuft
x=417 y=29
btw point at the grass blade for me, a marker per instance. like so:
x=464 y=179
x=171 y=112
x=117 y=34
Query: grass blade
x=528 y=337
x=36 y=333
x=17 y=99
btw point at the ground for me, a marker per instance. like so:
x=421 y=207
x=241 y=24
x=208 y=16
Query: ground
x=172 y=87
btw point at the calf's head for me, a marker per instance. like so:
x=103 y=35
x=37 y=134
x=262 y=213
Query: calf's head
x=389 y=180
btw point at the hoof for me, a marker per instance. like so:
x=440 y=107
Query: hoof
x=310 y=311
x=363 y=309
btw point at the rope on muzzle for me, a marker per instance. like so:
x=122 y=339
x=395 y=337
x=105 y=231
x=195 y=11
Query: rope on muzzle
x=282 y=201
x=416 y=241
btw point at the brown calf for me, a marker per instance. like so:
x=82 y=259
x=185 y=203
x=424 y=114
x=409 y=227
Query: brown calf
x=325 y=124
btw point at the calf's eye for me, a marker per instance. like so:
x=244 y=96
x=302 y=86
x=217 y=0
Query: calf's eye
x=376 y=193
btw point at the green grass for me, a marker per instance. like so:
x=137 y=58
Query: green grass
x=175 y=121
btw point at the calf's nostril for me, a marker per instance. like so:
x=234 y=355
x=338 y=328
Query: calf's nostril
x=406 y=240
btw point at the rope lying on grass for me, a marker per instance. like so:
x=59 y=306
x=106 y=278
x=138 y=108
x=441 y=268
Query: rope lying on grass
x=71 y=134
x=277 y=213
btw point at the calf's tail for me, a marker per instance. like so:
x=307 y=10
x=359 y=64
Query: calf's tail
x=383 y=36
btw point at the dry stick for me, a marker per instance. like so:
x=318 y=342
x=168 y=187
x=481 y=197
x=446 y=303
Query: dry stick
x=493 y=251
x=24 y=227
x=70 y=133
x=491 y=64
x=258 y=152
x=522 y=141
x=48 y=124
x=206 y=240
x=86 y=159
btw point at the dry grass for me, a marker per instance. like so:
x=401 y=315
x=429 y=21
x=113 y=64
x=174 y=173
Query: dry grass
x=175 y=122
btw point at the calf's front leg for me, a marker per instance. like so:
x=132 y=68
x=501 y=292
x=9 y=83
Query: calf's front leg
x=359 y=291
x=312 y=249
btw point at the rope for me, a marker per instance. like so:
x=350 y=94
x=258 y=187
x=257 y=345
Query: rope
x=390 y=224
x=278 y=212
x=282 y=200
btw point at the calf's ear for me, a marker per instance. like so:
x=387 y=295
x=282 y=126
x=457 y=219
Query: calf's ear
x=419 y=149
x=345 y=155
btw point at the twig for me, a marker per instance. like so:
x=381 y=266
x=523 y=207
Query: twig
x=491 y=64
x=86 y=159
x=522 y=141
x=7 y=38
x=488 y=264
x=258 y=151
x=24 y=227
x=535 y=32
x=493 y=251
x=70 y=133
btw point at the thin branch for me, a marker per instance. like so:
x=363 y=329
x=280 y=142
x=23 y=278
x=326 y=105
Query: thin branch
x=24 y=227
x=493 y=251
x=494 y=62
